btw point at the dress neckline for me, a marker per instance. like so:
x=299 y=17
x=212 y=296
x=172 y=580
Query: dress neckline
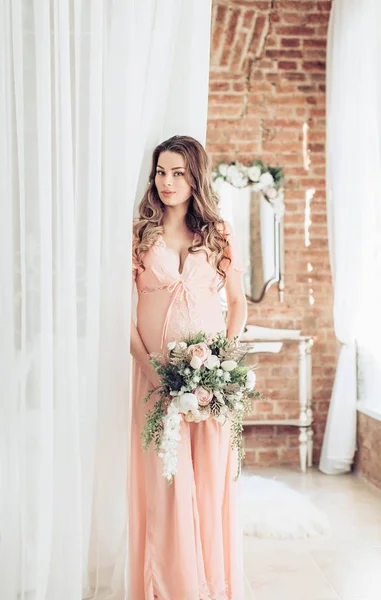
x=177 y=254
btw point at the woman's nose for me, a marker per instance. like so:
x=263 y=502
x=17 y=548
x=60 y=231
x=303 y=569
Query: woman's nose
x=168 y=180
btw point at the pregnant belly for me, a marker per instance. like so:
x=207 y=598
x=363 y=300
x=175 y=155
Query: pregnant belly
x=160 y=323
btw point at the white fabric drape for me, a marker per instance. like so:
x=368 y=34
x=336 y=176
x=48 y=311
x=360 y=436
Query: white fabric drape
x=87 y=89
x=353 y=192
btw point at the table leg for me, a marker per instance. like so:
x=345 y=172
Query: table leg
x=303 y=448
x=310 y=445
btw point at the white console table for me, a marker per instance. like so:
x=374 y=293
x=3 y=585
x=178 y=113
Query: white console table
x=305 y=420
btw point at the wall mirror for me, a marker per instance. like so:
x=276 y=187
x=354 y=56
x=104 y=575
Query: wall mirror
x=258 y=225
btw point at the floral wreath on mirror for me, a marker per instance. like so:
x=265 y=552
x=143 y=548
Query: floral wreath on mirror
x=257 y=176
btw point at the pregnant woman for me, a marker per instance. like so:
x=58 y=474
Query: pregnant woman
x=185 y=538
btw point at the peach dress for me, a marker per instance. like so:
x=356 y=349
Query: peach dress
x=185 y=539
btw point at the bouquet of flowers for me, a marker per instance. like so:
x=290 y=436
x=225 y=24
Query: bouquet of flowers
x=202 y=377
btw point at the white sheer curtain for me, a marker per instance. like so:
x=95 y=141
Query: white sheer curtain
x=353 y=200
x=87 y=88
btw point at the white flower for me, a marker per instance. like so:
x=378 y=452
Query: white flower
x=173 y=393
x=171 y=438
x=228 y=365
x=254 y=173
x=239 y=181
x=187 y=371
x=232 y=172
x=223 y=169
x=220 y=418
x=182 y=345
x=218 y=394
x=238 y=406
x=258 y=186
x=250 y=380
x=212 y=362
x=226 y=376
x=196 y=362
x=172 y=409
x=188 y=402
x=196 y=379
x=204 y=415
x=266 y=179
x=171 y=345
x=220 y=372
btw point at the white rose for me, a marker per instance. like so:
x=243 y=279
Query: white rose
x=250 y=380
x=196 y=362
x=182 y=345
x=257 y=187
x=228 y=365
x=171 y=345
x=266 y=179
x=232 y=172
x=239 y=181
x=188 y=402
x=212 y=362
x=254 y=173
x=223 y=169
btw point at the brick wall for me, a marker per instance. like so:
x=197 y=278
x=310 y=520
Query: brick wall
x=267 y=100
x=368 y=455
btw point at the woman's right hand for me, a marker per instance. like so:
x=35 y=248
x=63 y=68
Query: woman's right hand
x=154 y=377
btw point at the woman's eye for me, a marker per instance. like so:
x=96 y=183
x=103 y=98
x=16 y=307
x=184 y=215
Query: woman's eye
x=179 y=173
x=159 y=172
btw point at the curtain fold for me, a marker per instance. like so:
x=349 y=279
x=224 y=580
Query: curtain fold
x=87 y=89
x=353 y=192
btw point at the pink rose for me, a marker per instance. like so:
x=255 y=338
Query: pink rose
x=202 y=351
x=203 y=396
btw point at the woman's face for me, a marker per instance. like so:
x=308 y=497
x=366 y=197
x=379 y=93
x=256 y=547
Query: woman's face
x=170 y=180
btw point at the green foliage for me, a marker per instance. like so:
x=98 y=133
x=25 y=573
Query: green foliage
x=153 y=428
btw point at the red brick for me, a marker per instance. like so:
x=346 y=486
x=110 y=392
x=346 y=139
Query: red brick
x=287 y=65
x=315 y=43
x=294 y=76
x=290 y=42
x=295 y=31
x=284 y=53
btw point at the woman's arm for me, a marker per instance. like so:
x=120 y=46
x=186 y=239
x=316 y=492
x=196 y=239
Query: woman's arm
x=237 y=303
x=141 y=355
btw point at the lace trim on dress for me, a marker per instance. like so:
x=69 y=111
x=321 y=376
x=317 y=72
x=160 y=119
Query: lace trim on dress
x=149 y=290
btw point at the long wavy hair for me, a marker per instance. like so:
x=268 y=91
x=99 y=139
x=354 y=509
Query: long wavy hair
x=202 y=219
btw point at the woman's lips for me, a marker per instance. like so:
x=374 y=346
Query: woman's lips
x=166 y=193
